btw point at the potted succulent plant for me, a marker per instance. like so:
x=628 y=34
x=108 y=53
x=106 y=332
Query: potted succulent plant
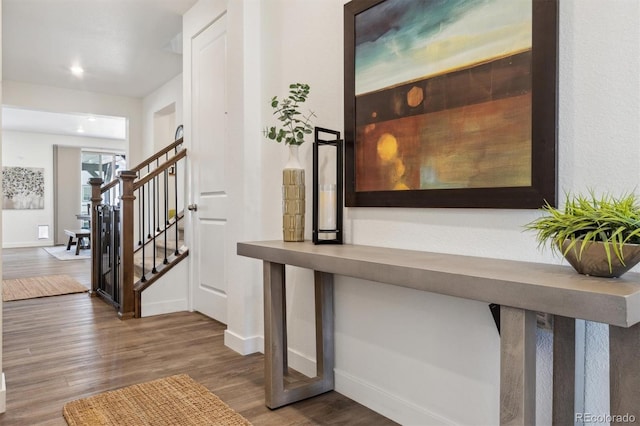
x=294 y=125
x=598 y=235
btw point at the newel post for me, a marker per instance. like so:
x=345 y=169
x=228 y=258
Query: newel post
x=96 y=200
x=127 y=308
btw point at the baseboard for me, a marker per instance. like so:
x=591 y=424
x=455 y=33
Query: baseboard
x=28 y=244
x=3 y=395
x=373 y=397
x=164 y=307
x=243 y=345
x=302 y=363
x=389 y=405
x=250 y=345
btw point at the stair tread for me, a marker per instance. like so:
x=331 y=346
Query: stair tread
x=159 y=258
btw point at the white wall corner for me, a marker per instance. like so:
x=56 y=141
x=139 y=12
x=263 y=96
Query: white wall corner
x=243 y=345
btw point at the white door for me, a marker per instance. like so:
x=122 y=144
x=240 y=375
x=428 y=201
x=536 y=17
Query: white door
x=209 y=180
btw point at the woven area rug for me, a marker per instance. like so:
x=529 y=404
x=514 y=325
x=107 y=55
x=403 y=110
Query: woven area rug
x=61 y=253
x=49 y=285
x=174 y=400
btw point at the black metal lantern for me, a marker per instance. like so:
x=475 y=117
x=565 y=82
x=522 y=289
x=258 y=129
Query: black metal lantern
x=327 y=187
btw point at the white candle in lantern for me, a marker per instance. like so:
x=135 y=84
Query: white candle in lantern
x=327 y=207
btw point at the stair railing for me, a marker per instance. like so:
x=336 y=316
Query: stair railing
x=149 y=208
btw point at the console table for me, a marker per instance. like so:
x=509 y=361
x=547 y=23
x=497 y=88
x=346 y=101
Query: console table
x=520 y=288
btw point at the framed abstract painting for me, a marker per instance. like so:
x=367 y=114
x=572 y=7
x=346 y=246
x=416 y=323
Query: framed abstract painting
x=451 y=103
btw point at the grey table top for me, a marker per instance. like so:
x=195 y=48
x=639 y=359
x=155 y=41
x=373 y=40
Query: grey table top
x=554 y=289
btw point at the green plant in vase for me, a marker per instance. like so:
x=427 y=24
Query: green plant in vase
x=294 y=124
x=598 y=235
x=293 y=127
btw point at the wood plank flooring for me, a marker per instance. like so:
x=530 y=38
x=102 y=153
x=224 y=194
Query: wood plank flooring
x=61 y=348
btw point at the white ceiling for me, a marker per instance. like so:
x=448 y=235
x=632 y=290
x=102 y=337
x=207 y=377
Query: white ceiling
x=85 y=125
x=126 y=47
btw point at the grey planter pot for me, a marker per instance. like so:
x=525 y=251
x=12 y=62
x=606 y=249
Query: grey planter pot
x=593 y=260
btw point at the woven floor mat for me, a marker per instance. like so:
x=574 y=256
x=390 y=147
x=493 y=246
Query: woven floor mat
x=174 y=400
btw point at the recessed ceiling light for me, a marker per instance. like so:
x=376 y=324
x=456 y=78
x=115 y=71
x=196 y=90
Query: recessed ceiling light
x=91 y=118
x=77 y=70
x=80 y=130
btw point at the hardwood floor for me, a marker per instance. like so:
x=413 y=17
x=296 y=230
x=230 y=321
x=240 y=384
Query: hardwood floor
x=61 y=348
x=35 y=261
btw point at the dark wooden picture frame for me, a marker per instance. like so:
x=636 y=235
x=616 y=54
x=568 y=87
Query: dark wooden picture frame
x=541 y=82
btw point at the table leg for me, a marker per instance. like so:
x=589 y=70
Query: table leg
x=325 y=355
x=277 y=393
x=517 y=366
x=564 y=370
x=275 y=347
x=69 y=243
x=624 y=374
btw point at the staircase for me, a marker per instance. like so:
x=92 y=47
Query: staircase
x=137 y=228
x=165 y=246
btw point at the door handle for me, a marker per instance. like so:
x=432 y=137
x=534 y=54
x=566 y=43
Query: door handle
x=192 y=207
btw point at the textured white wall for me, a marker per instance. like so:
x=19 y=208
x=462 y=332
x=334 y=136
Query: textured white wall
x=416 y=357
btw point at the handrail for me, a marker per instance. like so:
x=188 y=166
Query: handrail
x=161 y=168
x=112 y=184
x=157 y=155
x=145 y=163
